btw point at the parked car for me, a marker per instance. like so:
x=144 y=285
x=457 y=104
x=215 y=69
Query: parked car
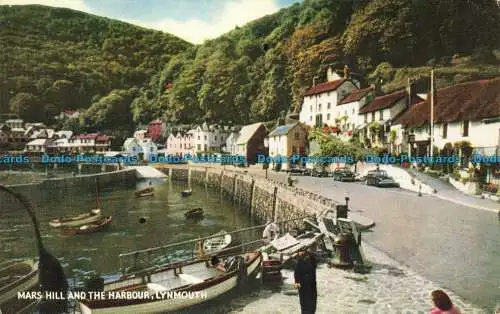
x=343 y=174
x=319 y=172
x=296 y=171
x=380 y=178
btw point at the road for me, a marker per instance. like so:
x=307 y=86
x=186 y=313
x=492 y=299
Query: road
x=454 y=245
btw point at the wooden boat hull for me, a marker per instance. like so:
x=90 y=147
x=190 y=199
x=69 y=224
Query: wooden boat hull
x=212 y=290
x=76 y=221
x=149 y=191
x=194 y=213
x=27 y=281
x=96 y=227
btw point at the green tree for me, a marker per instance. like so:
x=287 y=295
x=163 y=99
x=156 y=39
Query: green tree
x=26 y=106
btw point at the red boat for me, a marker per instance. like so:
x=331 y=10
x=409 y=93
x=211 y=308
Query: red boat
x=88 y=228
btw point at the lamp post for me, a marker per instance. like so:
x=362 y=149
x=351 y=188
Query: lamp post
x=51 y=274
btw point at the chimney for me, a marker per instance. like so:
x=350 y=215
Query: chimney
x=281 y=119
x=377 y=87
x=346 y=71
x=410 y=91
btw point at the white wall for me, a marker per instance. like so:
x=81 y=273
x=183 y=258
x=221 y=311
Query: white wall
x=318 y=104
x=480 y=134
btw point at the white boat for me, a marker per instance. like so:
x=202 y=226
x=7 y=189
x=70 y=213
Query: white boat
x=17 y=276
x=218 y=243
x=92 y=216
x=182 y=278
x=89 y=217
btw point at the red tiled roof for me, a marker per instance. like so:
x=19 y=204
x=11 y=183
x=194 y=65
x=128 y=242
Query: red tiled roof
x=387 y=101
x=324 y=87
x=88 y=136
x=356 y=95
x=103 y=138
x=466 y=101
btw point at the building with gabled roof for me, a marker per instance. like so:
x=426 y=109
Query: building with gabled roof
x=466 y=112
x=250 y=142
x=320 y=102
x=288 y=140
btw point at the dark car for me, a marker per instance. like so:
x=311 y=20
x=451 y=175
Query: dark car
x=343 y=175
x=319 y=172
x=380 y=178
x=296 y=171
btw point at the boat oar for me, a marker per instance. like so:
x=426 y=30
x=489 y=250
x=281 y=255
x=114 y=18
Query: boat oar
x=51 y=274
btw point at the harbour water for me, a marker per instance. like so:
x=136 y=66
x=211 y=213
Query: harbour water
x=138 y=223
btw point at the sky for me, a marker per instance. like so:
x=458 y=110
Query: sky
x=192 y=20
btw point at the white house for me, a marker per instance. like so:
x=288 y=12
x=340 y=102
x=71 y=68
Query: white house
x=15 y=123
x=39 y=145
x=136 y=147
x=131 y=146
x=140 y=134
x=230 y=147
x=467 y=112
x=348 y=108
x=320 y=102
x=378 y=116
x=207 y=138
x=149 y=148
x=287 y=140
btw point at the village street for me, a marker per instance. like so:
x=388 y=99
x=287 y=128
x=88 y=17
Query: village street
x=452 y=244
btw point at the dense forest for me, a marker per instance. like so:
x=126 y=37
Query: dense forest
x=53 y=59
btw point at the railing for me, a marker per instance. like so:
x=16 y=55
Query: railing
x=185 y=251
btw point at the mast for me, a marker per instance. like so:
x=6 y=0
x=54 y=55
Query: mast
x=97 y=201
x=432 y=114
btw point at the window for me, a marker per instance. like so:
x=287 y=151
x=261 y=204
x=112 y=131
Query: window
x=310 y=108
x=381 y=115
x=345 y=112
x=215 y=137
x=366 y=118
x=373 y=116
x=294 y=149
x=319 y=120
x=199 y=146
x=328 y=117
x=329 y=106
x=205 y=137
x=310 y=118
x=465 y=128
x=297 y=136
x=198 y=137
x=352 y=110
x=319 y=107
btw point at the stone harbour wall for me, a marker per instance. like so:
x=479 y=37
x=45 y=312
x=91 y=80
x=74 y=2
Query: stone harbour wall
x=64 y=187
x=264 y=199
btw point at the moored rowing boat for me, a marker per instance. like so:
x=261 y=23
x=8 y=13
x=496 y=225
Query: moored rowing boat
x=177 y=279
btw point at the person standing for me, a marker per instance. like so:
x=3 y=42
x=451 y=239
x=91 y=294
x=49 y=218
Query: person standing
x=442 y=303
x=305 y=281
